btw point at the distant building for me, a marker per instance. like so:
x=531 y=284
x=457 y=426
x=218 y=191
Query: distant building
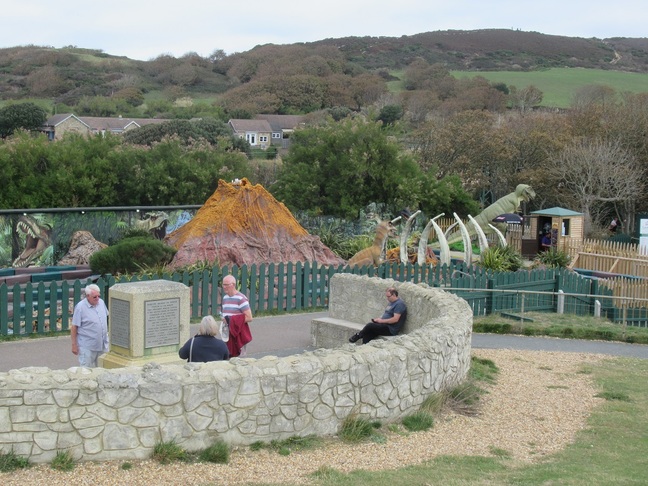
x=58 y=125
x=266 y=130
x=256 y=132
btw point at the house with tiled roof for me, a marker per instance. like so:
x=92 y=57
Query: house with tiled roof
x=58 y=125
x=282 y=127
x=256 y=132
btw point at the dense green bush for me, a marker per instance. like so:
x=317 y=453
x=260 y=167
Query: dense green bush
x=131 y=255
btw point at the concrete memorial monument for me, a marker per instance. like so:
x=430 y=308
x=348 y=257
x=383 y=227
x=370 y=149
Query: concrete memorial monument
x=149 y=321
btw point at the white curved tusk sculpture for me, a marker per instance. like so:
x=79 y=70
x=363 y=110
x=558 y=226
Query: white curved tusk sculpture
x=481 y=237
x=405 y=235
x=465 y=236
x=502 y=238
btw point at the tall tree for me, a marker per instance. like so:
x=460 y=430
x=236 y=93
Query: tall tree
x=340 y=168
x=596 y=174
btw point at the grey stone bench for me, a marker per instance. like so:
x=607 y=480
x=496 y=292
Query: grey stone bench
x=354 y=300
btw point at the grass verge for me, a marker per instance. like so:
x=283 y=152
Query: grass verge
x=611 y=450
x=561 y=326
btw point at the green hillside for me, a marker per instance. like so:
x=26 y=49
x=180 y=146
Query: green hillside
x=560 y=84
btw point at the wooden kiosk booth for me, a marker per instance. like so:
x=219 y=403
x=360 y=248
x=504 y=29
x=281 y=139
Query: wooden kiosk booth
x=563 y=225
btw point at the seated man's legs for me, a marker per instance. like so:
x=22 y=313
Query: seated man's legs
x=371 y=331
x=87 y=358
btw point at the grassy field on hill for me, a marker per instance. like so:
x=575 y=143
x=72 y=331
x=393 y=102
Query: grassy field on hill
x=560 y=84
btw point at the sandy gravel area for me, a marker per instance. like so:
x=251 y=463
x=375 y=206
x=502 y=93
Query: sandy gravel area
x=537 y=406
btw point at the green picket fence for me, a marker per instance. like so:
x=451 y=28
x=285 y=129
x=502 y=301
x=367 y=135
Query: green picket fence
x=39 y=308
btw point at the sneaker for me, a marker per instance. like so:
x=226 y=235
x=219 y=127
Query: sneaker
x=354 y=338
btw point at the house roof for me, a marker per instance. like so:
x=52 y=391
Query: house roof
x=55 y=120
x=98 y=123
x=282 y=122
x=241 y=126
x=560 y=212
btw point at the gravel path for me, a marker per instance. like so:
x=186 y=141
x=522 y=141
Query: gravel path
x=539 y=403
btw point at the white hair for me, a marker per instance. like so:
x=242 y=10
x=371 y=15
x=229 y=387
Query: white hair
x=92 y=288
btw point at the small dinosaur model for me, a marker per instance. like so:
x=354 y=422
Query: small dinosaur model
x=372 y=255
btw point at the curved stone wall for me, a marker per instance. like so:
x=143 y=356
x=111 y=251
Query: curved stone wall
x=122 y=413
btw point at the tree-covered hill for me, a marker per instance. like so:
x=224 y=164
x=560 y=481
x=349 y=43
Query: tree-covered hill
x=495 y=49
x=329 y=72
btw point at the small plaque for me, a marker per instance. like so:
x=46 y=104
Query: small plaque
x=161 y=322
x=120 y=323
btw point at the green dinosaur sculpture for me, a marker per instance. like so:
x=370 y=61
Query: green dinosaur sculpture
x=38 y=238
x=479 y=226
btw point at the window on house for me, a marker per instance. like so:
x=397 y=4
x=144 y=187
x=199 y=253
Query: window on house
x=276 y=135
x=565 y=227
x=263 y=138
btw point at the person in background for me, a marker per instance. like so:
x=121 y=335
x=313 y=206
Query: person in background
x=205 y=345
x=89 y=330
x=546 y=242
x=236 y=315
x=614 y=225
x=389 y=324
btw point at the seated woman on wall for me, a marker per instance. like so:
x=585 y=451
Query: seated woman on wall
x=205 y=346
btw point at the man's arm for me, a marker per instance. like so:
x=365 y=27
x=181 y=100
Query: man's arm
x=75 y=344
x=392 y=320
x=248 y=315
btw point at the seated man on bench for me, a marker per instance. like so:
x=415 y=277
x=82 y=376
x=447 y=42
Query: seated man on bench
x=389 y=324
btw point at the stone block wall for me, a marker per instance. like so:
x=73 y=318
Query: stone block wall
x=122 y=413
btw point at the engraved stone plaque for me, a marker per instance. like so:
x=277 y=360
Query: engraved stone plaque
x=120 y=322
x=161 y=322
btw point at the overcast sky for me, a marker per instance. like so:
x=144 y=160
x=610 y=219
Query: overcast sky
x=143 y=30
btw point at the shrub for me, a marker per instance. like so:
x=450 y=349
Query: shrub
x=501 y=259
x=131 y=255
x=553 y=258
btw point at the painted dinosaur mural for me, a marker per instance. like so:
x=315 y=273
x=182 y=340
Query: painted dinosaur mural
x=38 y=239
x=155 y=222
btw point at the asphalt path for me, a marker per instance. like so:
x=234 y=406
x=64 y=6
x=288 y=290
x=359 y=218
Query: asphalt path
x=289 y=334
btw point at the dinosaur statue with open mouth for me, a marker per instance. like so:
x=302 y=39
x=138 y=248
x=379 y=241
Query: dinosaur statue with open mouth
x=38 y=238
x=155 y=222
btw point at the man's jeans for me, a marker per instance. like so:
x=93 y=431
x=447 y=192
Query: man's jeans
x=87 y=358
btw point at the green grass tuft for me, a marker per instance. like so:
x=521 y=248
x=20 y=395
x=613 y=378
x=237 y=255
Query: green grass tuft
x=167 y=452
x=418 y=421
x=286 y=446
x=10 y=462
x=218 y=453
x=63 y=461
x=355 y=429
x=610 y=396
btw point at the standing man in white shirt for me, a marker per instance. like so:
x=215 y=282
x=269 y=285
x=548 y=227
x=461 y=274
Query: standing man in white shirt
x=89 y=330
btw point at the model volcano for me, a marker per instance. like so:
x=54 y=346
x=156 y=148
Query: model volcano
x=243 y=224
